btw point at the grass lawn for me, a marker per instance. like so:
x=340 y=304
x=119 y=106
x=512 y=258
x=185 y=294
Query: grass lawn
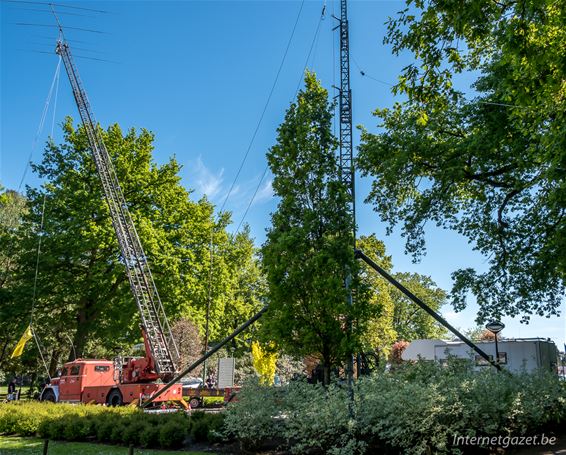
x=32 y=446
x=4 y=389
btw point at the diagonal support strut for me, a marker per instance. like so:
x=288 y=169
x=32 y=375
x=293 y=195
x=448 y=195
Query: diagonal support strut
x=360 y=255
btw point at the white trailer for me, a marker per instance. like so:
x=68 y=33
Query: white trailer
x=515 y=355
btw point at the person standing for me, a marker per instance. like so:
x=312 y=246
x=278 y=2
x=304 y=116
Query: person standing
x=12 y=394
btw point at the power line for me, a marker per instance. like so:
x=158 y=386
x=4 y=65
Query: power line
x=322 y=15
x=252 y=199
x=51 y=38
x=314 y=39
x=365 y=74
x=264 y=107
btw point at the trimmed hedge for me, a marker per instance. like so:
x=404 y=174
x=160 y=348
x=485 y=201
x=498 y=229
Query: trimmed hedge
x=111 y=425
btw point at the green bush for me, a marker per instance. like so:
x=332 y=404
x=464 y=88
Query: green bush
x=254 y=418
x=149 y=438
x=417 y=409
x=133 y=431
x=104 y=428
x=207 y=427
x=423 y=407
x=172 y=434
x=104 y=424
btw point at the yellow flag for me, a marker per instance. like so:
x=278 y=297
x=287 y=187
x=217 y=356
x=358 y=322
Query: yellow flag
x=21 y=344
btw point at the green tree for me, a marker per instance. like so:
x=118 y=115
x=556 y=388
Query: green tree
x=82 y=289
x=309 y=245
x=12 y=319
x=409 y=320
x=492 y=167
x=381 y=332
x=394 y=316
x=245 y=286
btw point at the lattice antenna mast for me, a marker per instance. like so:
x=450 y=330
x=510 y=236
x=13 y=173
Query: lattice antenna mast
x=155 y=326
x=346 y=163
x=347 y=173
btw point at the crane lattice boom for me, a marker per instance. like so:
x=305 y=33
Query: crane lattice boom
x=154 y=321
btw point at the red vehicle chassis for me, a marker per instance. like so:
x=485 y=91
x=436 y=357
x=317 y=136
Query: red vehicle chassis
x=94 y=381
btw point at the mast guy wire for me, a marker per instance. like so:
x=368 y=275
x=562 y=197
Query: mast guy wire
x=265 y=107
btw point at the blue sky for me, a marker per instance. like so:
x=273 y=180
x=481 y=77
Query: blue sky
x=198 y=75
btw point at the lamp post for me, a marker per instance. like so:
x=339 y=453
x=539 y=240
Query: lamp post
x=495 y=327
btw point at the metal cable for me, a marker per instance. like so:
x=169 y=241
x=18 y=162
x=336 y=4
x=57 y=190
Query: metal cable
x=322 y=15
x=41 y=123
x=264 y=107
x=36 y=338
x=37 y=259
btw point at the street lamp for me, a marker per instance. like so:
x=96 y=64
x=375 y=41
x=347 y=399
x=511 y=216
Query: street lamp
x=495 y=327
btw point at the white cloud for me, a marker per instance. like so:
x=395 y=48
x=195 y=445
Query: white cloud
x=210 y=182
x=265 y=193
x=206 y=181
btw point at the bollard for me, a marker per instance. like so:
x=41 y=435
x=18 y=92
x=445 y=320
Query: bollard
x=131 y=449
x=45 y=446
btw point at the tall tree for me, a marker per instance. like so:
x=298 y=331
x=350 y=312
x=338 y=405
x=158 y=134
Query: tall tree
x=82 y=288
x=410 y=321
x=493 y=167
x=395 y=317
x=12 y=319
x=381 y=333
x=309 y=245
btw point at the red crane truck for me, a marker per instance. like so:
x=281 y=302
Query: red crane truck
x=132 y=378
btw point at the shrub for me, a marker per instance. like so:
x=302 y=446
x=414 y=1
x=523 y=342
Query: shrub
x=256 y=417
x=104 y=428
x=133 y=431
x=207 y=427
x=416 y=409
x=80 y=422
x=149 y=438
x=172 y=434
x=301 y=416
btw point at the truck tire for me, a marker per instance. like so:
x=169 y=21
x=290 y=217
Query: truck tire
x=48 y=395
x=114 y=398
x=195 y=402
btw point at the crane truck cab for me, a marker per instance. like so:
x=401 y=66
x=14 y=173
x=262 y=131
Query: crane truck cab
x=96 y=381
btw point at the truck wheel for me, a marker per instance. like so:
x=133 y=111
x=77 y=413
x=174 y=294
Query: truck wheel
x=48 y=395
x=114 y=398
x=194 y=402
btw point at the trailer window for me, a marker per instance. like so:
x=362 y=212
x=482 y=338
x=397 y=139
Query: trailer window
x=101 y=368
x=75 y=370
x=481 y=362
x=63 y=372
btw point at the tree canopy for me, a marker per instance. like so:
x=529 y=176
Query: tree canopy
x=491 y=167
x=82 y=289
x=309 y=246
x=394 y=317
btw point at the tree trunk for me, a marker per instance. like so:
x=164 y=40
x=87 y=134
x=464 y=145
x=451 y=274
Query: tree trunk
x=54 y=362
x=326 y=374
x=4 y=350
x=326 y=365
x=85 y=317
x=80 y=337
